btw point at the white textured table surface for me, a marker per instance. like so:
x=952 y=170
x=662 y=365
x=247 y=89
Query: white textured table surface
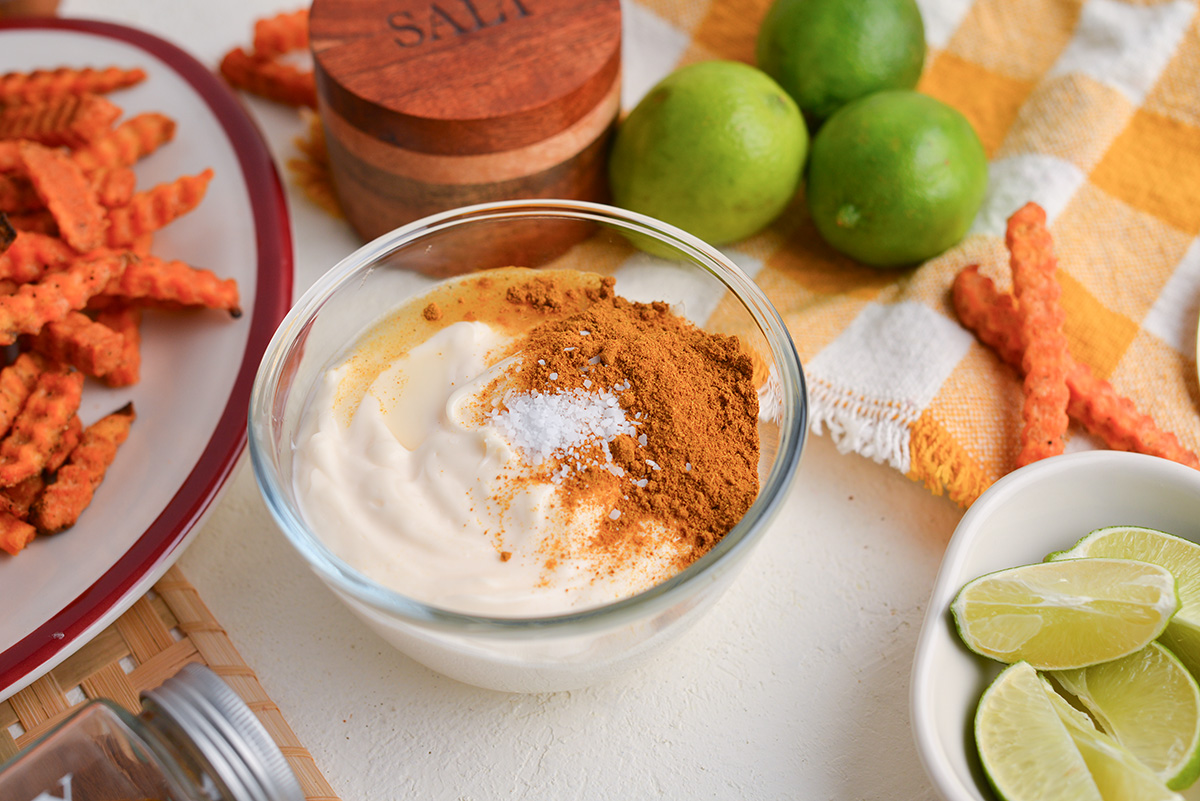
x=795 y=686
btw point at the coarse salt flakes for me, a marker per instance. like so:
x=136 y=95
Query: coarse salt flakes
x=542 y=425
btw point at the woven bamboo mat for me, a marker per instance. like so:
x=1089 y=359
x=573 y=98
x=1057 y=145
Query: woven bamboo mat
x=164 y=630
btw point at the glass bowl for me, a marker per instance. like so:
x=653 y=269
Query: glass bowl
x=564 y=651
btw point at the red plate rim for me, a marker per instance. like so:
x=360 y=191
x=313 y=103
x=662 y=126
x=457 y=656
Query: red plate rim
x=273 y=291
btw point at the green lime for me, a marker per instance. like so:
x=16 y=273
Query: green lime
x=895 y=178
x=1150 y=704
x=716 y=148
x=826 y=53
x=1034 y=746
x=1180 y=556
x=1116 y=771
x=1068 y=614
x=1026 y=751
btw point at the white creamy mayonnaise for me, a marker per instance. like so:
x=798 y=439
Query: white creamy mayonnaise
x=418 y=488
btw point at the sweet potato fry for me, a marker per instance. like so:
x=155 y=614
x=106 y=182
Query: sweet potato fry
x=37 y=430
x=175 y=282
x=78 y=340
x=17 y=381
x=113 y=187
x=8 y=234
x=1111 y=417
x=31 y=255
x=1045 y=359
x=68 y=195
x=69 y=120
x=15 y=533
x=133 y=139
x=29 y=87
x=125 y=320
x=151 y=210
x=282 y=33
x=274 y=80
x=63 y=500
x=17 y=499
x=312 y=171
x=34 y=305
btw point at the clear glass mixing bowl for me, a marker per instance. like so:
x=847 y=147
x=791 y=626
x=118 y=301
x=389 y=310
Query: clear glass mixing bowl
x=568 y=650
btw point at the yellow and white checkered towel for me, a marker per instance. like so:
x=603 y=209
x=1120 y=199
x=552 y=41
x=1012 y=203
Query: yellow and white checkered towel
x=1091 y=108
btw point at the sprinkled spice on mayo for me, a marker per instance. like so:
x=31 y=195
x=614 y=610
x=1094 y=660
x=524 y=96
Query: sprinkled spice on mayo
x=520 y=443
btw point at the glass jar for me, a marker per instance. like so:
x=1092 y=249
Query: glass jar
x=193 y=740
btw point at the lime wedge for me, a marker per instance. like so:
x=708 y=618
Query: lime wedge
x=1034 y=746
x=1117 y=773
x=1026 y=749
x=1150 y=704
x=1180 y=556
x=1065 y=614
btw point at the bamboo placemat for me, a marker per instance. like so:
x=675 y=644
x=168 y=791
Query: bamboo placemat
x=164 y=630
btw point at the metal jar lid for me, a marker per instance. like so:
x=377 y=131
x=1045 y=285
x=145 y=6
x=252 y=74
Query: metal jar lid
x=228 y=735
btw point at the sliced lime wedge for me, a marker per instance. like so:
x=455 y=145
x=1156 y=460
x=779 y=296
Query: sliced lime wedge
x=1117 y=773
x=1150 y=704
x=1026 y=750
x=1065 y=614
x=1179 y=555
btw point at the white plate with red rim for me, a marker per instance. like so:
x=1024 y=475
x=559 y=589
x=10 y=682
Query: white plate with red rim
x=197 y=367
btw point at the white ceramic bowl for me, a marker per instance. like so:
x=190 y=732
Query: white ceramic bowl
x=567 y=650
x=1045 y=507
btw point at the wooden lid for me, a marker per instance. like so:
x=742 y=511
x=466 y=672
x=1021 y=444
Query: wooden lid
x=461 y=77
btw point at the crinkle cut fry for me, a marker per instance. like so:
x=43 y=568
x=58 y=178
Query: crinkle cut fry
x=19 y=498
x=40 y=425
x=133 y=139
x=151 y=210
x=274 y=80
x=113 y=187
x=69 y=289
x=282 y=33
x=17 y=381
x=69 y=196
x=29 y=87
x=152 y=278
x=63 y=500
x=15 y=533
x=126 y=320
x=1112 y=417
x=69 y=120
x=78 y=340
x=1046 y=356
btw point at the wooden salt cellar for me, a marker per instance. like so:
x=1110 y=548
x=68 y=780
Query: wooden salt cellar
x=430 y=106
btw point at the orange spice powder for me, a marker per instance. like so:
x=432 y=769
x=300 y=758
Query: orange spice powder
x=690 y=466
